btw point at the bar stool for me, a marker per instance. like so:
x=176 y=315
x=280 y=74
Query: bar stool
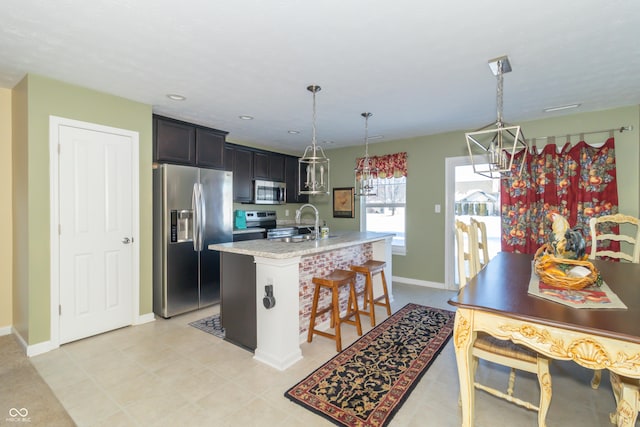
x=333 y=282
x=369 y=269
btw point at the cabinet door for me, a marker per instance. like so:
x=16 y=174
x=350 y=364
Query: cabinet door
x=228 y=157
x=210 y=148
x=242 y=175
x=276 y=167
x=174 y=142
x=261 y=165
x=291 y=178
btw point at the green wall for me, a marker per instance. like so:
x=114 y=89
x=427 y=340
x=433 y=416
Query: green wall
x=425 y=257
x=35 y=98
x=38 y=98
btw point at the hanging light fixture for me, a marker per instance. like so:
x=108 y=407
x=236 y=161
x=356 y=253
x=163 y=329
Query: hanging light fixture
x=492 y=149
x=313 y=166
x=365 y=172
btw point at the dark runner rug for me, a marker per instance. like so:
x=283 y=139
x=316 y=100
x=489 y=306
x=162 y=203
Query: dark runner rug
x=211 y=325
x=368 y=382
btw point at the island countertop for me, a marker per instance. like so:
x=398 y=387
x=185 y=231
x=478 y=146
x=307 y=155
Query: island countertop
x=282 y=250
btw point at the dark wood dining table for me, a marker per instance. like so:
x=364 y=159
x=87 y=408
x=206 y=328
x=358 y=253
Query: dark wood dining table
x=496 y=301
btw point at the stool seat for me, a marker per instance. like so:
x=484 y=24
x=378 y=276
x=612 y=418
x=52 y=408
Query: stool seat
x=369 y=269
x=335 y=278
x=333 y=282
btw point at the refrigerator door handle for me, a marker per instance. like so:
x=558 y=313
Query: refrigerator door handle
x=202 y=218
x=196 y=216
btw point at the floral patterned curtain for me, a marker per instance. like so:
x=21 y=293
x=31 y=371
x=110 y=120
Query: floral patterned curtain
x=579 y=182
x=389 y=165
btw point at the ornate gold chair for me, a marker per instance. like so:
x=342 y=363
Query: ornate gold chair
x=600 y=228
x=493 y=350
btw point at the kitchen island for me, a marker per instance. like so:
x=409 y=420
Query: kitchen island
x=289 y=268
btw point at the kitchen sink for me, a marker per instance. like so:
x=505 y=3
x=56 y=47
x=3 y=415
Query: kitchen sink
x=297 y=238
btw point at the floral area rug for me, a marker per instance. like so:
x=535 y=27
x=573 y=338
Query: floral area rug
x=211 y=325
x=368 y=382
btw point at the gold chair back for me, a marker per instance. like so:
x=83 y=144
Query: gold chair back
x=600 y=231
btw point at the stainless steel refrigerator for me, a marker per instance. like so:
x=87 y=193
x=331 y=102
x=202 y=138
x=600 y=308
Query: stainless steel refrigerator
x=192 y=208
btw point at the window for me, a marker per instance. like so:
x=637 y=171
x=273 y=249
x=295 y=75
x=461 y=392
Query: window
x=385 y=212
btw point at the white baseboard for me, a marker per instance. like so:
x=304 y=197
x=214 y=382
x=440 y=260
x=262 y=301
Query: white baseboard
x=5 y=330
x=417 y=282
x=144 y=318
x=35 y=349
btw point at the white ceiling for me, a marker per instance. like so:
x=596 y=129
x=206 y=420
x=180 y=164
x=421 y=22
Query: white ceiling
x=419 y=66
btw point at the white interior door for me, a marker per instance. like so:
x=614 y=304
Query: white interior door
x=95 y=232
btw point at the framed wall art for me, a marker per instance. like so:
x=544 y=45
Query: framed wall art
x=343 y=202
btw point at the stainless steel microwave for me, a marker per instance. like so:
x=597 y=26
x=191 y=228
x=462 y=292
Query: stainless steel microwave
x=269 y=192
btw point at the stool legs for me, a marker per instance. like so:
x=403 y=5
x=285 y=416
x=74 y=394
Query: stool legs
x=385 y=294
x=314 y=313
x=368 y=270
x=333 y=282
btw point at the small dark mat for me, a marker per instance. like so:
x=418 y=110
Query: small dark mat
x=211 y=325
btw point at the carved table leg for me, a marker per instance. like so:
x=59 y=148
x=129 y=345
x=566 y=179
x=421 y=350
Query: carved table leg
x=463 y=340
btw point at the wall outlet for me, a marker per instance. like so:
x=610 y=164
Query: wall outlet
x=286 y=212
x=437 y=209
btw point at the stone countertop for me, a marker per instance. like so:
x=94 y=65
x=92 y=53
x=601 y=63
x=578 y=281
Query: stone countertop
x=282 y=250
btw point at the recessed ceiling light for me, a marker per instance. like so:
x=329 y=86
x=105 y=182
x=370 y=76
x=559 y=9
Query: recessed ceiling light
x=176 y=97
x=293 y=132
x=246 y=117
x=561 y=107
x=375 y=137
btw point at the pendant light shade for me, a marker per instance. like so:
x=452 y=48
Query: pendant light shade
x=493 y=148
x=313 y=166
x=366 y=173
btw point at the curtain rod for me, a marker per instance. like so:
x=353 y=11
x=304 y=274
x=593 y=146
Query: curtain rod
x=582 y=134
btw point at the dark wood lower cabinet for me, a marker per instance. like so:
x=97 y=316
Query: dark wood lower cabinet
x=238 y=300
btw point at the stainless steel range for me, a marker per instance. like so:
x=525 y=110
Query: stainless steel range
x=261 y=219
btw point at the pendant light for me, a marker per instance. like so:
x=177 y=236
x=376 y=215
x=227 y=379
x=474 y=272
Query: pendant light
x=366 y=173
x=492 y=149
x=313 y=166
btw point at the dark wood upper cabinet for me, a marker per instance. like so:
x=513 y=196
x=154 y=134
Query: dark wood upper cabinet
x=240 y=162
x=174 y=141
x=268 y=165
x=261 y=165
x=276 y=167
x=210 y=148
x=184 y=143
x=291 y=178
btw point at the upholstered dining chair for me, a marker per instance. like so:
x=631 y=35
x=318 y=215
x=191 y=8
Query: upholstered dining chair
x=502 y=352
x=483 y=251
x=600 y=228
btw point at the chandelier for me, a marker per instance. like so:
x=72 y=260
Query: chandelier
x=313 y=166
x=365 y=172
x=492 y=149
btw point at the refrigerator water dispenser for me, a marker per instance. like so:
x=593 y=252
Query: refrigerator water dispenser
x=181 y=225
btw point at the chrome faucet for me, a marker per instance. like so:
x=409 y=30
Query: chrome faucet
x=299 y=212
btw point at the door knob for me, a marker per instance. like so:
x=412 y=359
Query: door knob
x=126 y=240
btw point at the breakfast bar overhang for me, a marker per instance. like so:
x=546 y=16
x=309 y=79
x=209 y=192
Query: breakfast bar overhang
x=285 y=266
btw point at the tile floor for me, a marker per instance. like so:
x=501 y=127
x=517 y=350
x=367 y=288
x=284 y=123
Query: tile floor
x=167 y=373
